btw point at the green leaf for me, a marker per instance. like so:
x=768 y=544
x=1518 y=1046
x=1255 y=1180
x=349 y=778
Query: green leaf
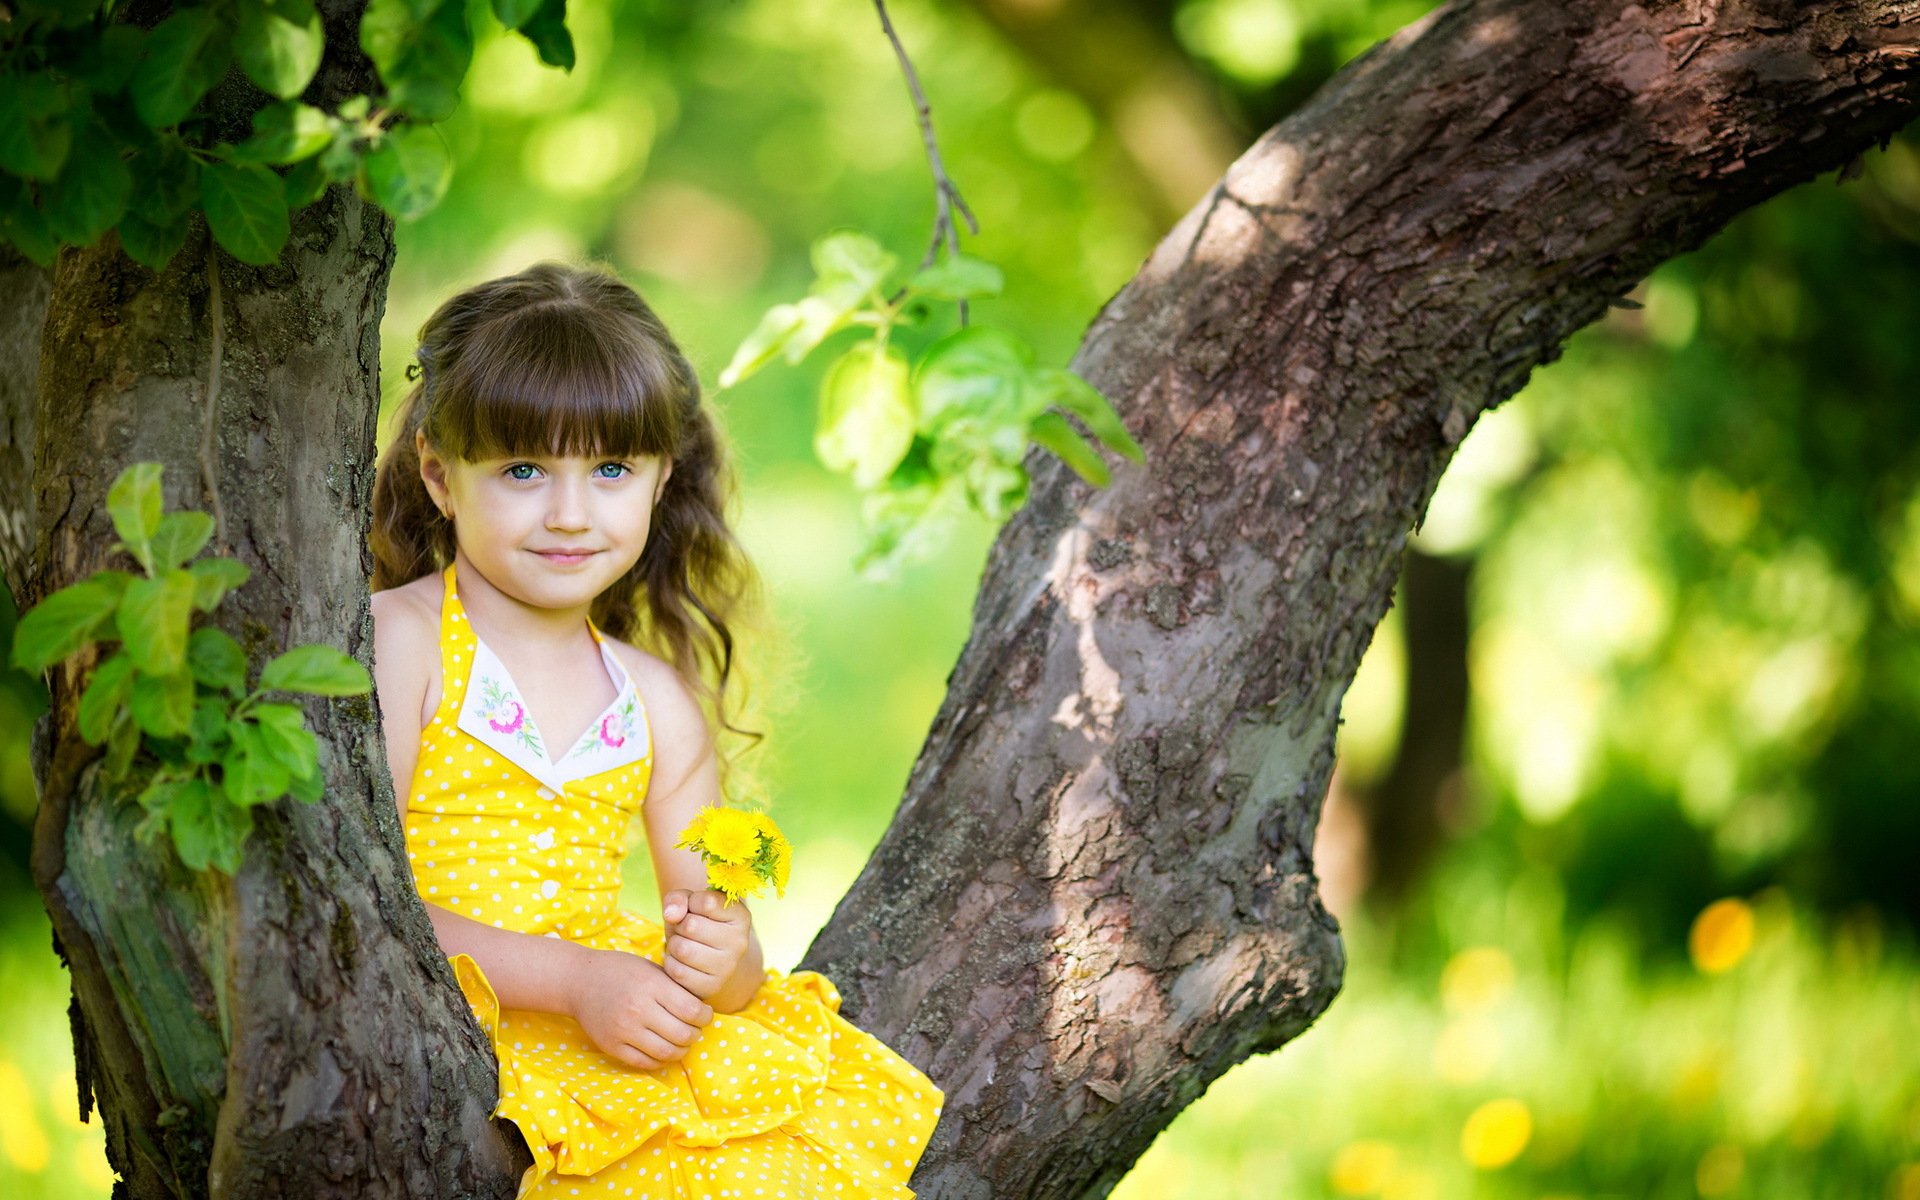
x=976 y=371
x=284 y=734
x=25 y=225
x=304 y=183
x=776 y=326
x=1083 y=400
x=422 y=49
x=102 y=700
x=63 y=623
x=91 y=191
x=547 y=30
x=1051 y=430
x=287 y=132
x=153 y=618
x=169 y=182
x=208 y=739
x=959 y=277
x=515 y=13
x=249 y=771
x=108 y=62
x=408 y=172
x=850 y=255
x=133 y=501
x=213 y=578
x=163 y=704
x=179 y=537
x=152 y=246
x=317 y=670
x=280 y=52
x=36 y=132
x=207 y=828
x=308 y=788
x=866 y=413
x=217 y=661
x=247 y=207
x=186 y=55
x=123 y=739
x=121 y=744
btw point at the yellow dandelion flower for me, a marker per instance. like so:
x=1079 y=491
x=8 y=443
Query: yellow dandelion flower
x=1496 y=1133
x=695 y=830
x=767 y=828
x=731 y=837
x=737 y=880
x=1721 y=935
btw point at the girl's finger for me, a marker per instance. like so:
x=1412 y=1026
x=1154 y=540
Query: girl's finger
x=698 y=955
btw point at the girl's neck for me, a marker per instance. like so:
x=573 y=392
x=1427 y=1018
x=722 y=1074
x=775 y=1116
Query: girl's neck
x=503 y=620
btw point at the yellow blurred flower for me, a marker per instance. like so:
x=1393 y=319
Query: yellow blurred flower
x=1721 y=935
x=1466 y=1049
x=737 y=880
x=1496 y=1133
x=22 y=1140
x=1362 y=1167
x=1476 y=978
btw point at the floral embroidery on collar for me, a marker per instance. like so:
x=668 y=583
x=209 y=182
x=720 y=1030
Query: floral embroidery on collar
x=494 y=713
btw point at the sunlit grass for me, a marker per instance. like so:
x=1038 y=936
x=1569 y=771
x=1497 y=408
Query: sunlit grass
x=1776 y=1062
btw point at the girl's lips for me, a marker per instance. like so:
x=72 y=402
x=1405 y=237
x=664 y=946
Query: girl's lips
x=565 y=559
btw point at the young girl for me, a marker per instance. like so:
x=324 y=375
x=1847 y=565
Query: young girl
x=553 y=492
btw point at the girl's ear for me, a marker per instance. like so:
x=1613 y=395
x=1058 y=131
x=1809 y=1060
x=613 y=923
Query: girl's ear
x=433 y=472
x=666 y=473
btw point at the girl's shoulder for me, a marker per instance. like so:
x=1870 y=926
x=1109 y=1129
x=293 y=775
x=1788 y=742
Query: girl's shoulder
x=409 y=612
x=406 y=647
x=673 y=712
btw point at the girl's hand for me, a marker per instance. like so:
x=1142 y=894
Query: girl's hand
x=633 y=1012
x=706 y=939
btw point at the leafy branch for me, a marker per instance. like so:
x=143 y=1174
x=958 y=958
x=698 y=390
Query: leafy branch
x=215 y=747
x=88 y=105
x=924 y=439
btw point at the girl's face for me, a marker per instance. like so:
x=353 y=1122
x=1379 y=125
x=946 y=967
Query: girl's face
x=550 y=532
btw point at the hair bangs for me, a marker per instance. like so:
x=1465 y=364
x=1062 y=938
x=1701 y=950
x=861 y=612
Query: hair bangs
x=560 y=379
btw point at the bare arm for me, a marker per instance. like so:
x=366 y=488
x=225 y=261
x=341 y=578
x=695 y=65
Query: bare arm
x=687 y=778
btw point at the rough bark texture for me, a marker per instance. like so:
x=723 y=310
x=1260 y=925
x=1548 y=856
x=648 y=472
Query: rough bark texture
x=1098 y=892
x=295 y=1030
x=24 y=286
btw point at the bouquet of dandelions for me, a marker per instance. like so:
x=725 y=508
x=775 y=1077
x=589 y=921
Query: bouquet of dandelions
x=744 y=851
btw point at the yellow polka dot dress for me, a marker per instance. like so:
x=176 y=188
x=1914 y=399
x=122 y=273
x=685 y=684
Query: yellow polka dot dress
x=784 y=1098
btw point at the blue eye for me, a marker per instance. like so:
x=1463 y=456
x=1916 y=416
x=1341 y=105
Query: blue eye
x=619 y=466
x=520 y=466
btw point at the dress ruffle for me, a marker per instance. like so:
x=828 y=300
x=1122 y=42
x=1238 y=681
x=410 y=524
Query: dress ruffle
x=787 y=1061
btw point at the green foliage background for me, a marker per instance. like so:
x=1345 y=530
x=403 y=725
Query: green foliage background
x=1669 y=950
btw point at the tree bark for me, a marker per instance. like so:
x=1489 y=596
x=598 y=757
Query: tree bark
x=25 y=285
x=1098 y=892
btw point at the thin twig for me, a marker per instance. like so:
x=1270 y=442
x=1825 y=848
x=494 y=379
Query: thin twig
x=208 y=477
x=946 y=194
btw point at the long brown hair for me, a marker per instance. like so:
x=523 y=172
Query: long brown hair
x=569 y=360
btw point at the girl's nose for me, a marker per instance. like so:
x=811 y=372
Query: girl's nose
x=568 y=509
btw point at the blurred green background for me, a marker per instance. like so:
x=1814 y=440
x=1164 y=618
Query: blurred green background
x=1630 y=901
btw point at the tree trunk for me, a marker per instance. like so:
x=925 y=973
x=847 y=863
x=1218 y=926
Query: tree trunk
x=1098 y=893
x=1404 y=813
x=25 y=286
